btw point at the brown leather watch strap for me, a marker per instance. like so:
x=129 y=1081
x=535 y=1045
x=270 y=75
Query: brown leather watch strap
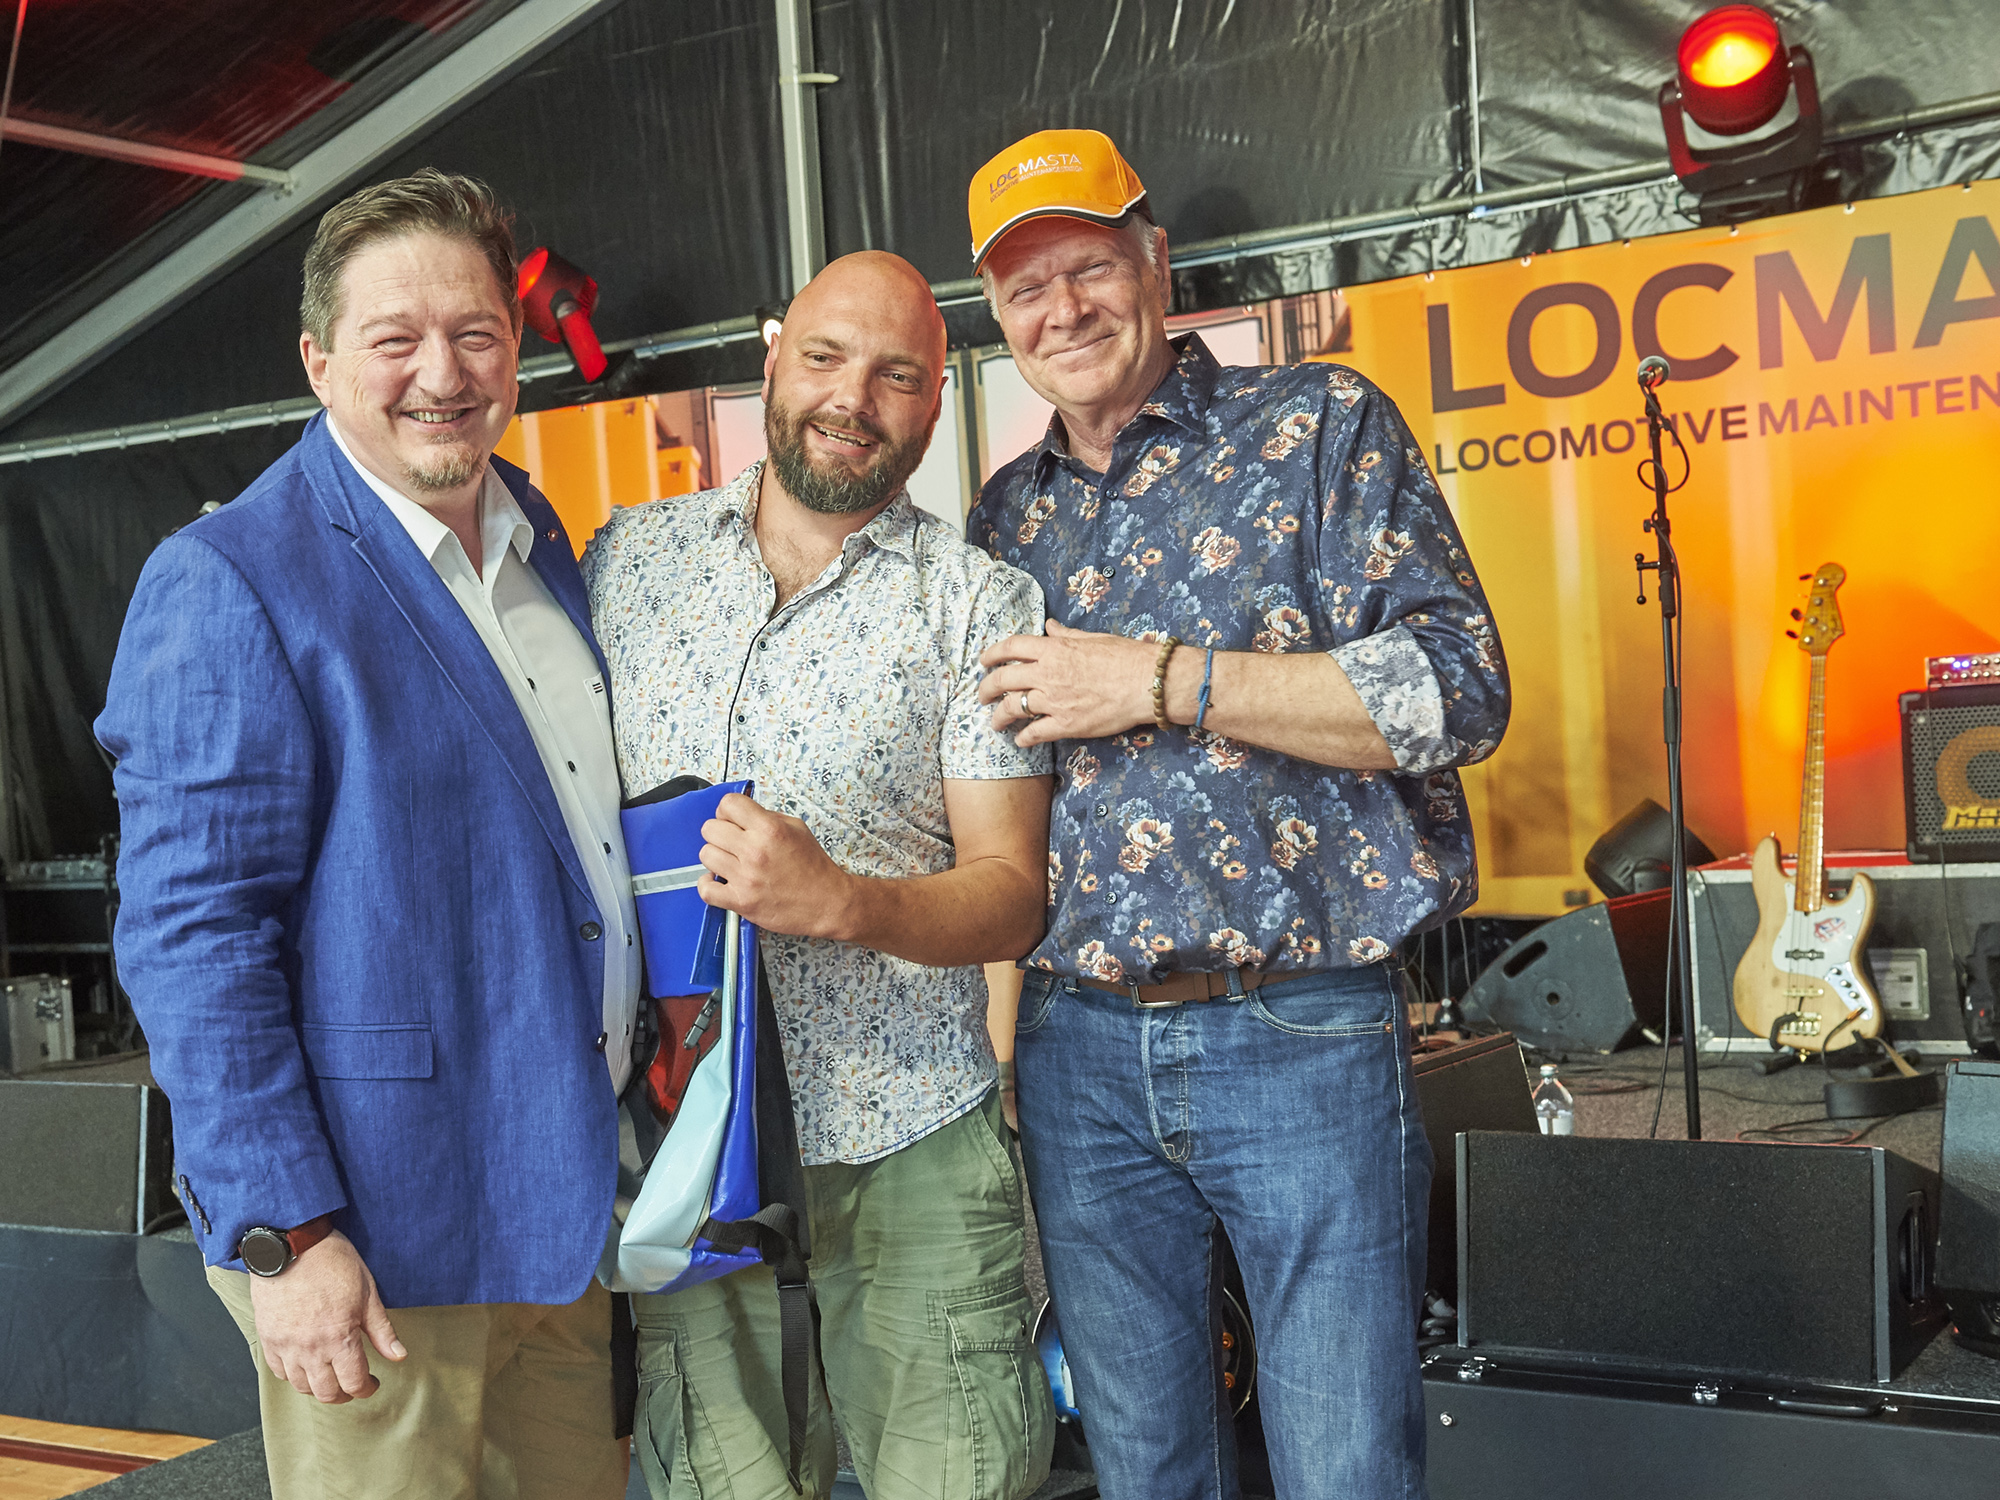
x=308 y=1234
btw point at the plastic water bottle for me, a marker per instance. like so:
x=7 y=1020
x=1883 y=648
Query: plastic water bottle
x=1555 y=1110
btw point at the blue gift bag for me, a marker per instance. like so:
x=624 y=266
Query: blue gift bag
x=709 y=1178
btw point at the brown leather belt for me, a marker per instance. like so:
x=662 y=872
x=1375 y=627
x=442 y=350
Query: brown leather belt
x=1181 y=989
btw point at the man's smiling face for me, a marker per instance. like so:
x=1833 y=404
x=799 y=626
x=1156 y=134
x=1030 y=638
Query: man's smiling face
x=852 y=385
x=420 y=378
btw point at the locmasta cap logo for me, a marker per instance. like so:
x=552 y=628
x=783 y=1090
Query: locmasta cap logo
x=1034 y=166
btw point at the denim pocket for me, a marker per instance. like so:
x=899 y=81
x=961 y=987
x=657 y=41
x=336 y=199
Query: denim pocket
x=1038 y=998
x=1355 y=1003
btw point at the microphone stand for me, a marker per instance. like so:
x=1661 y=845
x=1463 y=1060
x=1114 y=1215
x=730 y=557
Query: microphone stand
x=1666 y=568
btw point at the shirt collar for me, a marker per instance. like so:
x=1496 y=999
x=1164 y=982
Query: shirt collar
x=1182 y=397
x=501 y=523
x=894 y=528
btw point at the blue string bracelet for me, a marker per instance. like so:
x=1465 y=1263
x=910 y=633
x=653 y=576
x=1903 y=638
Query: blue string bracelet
x=1207 y=674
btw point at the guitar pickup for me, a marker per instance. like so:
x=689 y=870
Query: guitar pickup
x=1807 y=955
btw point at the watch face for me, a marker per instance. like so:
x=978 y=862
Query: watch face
x=264 y=1252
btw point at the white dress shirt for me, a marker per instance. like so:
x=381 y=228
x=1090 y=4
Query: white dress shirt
x=554 y=677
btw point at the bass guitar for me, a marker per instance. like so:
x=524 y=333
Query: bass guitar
x=1802 y=983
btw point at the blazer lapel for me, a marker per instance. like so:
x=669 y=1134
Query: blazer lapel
x=441 y=625
x=553 y=558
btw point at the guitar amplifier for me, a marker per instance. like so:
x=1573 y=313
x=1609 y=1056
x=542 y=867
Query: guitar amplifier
x=1951 y=773
x=1926 y=918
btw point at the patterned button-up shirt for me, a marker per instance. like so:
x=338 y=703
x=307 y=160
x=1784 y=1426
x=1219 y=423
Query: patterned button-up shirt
x=848 y=707
x=1271 y=509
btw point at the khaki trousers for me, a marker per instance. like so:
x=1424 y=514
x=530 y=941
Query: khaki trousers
x=502 y=1402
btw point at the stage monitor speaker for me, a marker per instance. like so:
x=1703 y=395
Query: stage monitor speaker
x=1951 y=774
x=84 y=1155
x=1636 y=853
x=1783 y=1261
x=1480 y=1084
x=1968 y=1256
x=1591 y=981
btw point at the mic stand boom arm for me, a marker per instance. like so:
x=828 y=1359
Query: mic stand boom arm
x=1666 y=568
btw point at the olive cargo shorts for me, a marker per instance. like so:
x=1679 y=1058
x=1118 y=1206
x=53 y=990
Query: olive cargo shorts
x=924 y=1338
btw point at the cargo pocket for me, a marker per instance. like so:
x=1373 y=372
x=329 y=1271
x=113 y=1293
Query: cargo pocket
x=1001 y=1422
x=676 y=1448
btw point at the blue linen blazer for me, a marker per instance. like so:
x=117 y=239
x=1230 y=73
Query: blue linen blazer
x=354 y=925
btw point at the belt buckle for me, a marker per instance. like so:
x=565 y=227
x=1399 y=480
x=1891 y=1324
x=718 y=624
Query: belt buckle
x=1151 y=1004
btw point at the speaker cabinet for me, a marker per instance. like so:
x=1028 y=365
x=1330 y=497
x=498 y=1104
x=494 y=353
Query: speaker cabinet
x=1477 y=1085
x=1968 y=1255
x=84 y=1155
x=1951 y=773
x=1591 y=981
x=1784 y=1261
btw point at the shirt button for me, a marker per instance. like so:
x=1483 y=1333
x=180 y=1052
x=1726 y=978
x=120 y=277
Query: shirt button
x=739 y=718
x=571 y=764
x=762 y=644
x=602 y=1038
x=1103 y=810
x=1110 y=898
x=590 y=932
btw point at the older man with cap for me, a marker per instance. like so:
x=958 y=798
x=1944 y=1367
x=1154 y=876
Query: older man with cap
x=1266 y=652
x=808 y=627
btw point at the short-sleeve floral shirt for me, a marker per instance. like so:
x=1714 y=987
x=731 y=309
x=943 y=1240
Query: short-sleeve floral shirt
x=849 y=707
x=1275 y=509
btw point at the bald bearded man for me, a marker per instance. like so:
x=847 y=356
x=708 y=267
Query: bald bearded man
x=807 y=627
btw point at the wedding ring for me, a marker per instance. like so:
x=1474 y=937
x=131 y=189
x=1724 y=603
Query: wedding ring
x=1027 y=712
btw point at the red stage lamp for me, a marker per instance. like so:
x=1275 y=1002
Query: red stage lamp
x=557 y=300
x=1734 y=74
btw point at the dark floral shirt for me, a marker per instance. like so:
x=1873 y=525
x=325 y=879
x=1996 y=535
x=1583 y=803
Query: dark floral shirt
x=1282 y=508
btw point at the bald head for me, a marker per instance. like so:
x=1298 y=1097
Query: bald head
x=854 y=382
x=882 y=291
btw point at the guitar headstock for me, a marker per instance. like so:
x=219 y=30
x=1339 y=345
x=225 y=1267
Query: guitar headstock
x=1819 y=622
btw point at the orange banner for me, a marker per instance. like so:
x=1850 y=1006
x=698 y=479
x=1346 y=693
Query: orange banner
x=1837 y=388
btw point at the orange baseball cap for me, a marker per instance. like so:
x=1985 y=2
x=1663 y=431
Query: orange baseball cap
x=1072 y=174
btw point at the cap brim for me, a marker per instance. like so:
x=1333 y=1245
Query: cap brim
x=1053 y=211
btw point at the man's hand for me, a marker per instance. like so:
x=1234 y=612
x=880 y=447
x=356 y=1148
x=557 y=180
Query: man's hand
x=1080 y=685
x=768 y=867
x=312 y=1320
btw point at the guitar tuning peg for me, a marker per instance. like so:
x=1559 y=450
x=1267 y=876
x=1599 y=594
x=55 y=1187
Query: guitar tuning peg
x=1797 y=616
x=1791 y=635
x=1805 y=578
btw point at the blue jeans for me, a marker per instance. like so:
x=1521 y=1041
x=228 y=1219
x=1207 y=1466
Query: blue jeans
x=1289 y=1118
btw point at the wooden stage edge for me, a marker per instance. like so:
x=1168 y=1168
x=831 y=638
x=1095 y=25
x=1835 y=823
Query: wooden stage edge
x=42 y=1460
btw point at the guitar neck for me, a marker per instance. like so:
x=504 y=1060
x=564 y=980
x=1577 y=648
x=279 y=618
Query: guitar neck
x=1810 y=882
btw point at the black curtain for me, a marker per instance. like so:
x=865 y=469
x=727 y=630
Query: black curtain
x=74 y=533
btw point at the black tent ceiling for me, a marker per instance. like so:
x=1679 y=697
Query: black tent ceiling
x=647 y=145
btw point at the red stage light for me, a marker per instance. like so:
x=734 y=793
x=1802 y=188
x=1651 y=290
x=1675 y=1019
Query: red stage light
x=1733 y=70
x=557 y=300
x=1733 y=74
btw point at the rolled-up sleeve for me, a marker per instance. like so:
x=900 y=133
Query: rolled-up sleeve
x=1414 y=633
x=215 y=778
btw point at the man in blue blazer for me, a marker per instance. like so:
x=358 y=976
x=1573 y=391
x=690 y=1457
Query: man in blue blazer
x=377 y=920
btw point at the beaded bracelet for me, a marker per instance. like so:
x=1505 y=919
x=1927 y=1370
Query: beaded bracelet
x=1160 y=680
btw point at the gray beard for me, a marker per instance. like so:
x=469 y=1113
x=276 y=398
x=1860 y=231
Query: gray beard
x=451 y=469
x=837 y=493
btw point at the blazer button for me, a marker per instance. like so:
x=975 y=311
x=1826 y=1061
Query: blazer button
x=602 y=1038
x=590 y=932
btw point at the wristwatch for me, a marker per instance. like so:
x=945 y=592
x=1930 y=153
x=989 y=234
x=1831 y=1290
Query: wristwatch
x=266 y=1251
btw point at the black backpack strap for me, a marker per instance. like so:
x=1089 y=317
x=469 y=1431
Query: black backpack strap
x=774 y=1232
x=778 y=1232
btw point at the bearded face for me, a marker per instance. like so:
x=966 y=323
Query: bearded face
x=830 y=482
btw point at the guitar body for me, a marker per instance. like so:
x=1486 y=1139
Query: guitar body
x=1803 y=974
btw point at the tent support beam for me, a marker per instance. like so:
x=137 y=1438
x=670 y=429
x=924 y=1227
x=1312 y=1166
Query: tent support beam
x=116 y=148
x=798 y=104
x=518 y=35
x=1206 y=252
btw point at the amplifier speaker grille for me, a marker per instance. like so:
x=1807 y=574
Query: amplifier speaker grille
x=1951 y=773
